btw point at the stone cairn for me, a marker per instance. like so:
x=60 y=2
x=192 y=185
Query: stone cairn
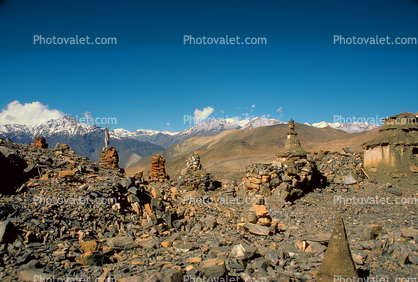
x=257 y=219
x=194 y=176
x=40 y=142
x=158 y=169
x=288 y=178
x=109 y=156
x=193 y=163
x=63 y=148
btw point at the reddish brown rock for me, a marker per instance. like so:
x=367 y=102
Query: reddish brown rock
x=109 y=157
x=40 y=142
x=68 y=174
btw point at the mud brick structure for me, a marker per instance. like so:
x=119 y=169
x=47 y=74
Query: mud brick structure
x=396 y=148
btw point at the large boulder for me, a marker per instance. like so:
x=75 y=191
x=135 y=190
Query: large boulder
x=14 y=170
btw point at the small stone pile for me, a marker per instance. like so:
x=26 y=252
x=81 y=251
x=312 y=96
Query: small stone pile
x=158 y=169
x=257 y=219
x=63 y=148
x=40 y=142
x=194 y=176
x=109 y=157
x=152 y=203
x=342 y=170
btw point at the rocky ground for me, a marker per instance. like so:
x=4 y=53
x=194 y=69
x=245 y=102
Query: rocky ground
x=73 y=219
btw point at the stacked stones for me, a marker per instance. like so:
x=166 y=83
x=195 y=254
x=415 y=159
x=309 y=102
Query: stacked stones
x=40 y=142
x=257 y=220
x=287 y=179
x=194 y=176
x=193 y=163
x=63 y=148
x=109 y=157
x=158 y=169
x=342 y=170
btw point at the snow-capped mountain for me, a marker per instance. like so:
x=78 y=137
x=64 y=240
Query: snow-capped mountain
x=67 y=125
x=142 y=134
x=260 y=121
x=84 y=139
x=220 y=125
x=139 y=132
x=347 y=127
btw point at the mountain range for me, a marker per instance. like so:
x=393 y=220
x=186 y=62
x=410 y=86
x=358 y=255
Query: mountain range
x=354 y=127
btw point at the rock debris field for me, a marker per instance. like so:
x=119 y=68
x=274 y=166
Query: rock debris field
x=65 y=218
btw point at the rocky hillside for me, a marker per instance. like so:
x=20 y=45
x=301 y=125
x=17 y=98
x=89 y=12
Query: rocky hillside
x=73 y=219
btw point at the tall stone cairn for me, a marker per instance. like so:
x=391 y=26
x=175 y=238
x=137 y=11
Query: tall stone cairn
x=109 y=157
x=157 y=168
x=40 y=142
x=193 y=163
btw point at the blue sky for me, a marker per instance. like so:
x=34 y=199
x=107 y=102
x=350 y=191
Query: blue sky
x=151 y=80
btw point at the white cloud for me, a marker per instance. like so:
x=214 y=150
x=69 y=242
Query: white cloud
x=253 y=106
x=168 y=124
x=222 y=112
x=33 y=113
x=201 y=115
x=88 y=116
x=279 y=110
